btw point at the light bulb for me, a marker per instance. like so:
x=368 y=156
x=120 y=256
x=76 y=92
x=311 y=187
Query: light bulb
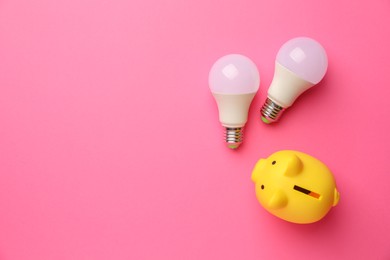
x=234 y=81
x=300 y=64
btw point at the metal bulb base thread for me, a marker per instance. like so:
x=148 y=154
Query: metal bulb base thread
x=271 y=112
x=233 y=137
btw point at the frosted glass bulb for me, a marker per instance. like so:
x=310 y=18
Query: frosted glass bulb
x=234 y=81
x=300 y=64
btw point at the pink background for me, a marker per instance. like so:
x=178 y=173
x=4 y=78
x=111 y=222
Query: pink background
x=110 y=145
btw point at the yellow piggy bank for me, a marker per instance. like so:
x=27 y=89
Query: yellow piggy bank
x=295 y=186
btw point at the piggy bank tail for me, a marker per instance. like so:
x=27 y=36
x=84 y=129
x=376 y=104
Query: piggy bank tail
x=336 y=197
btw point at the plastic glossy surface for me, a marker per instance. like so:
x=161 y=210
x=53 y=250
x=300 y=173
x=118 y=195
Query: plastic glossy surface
x=234 y=74
x=295 y=186
x=305 y=57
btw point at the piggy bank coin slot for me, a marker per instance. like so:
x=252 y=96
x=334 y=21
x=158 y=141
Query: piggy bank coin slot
x=307 y=192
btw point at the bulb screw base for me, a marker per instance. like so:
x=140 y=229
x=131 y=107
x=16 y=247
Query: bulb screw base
x=233 y=137
x=271 y=112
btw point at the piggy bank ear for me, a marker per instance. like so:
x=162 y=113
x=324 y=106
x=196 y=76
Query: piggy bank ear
x=278 y=200
x=257 y=170
x=293 y=165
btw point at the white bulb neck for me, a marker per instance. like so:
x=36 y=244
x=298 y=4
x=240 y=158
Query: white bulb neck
x=286 y=86
x=233 y=109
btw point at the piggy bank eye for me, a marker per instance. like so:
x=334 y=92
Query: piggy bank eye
x=262 y=187
x=274 y=162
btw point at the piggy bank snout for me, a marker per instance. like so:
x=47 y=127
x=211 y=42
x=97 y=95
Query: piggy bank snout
x=256 y=171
